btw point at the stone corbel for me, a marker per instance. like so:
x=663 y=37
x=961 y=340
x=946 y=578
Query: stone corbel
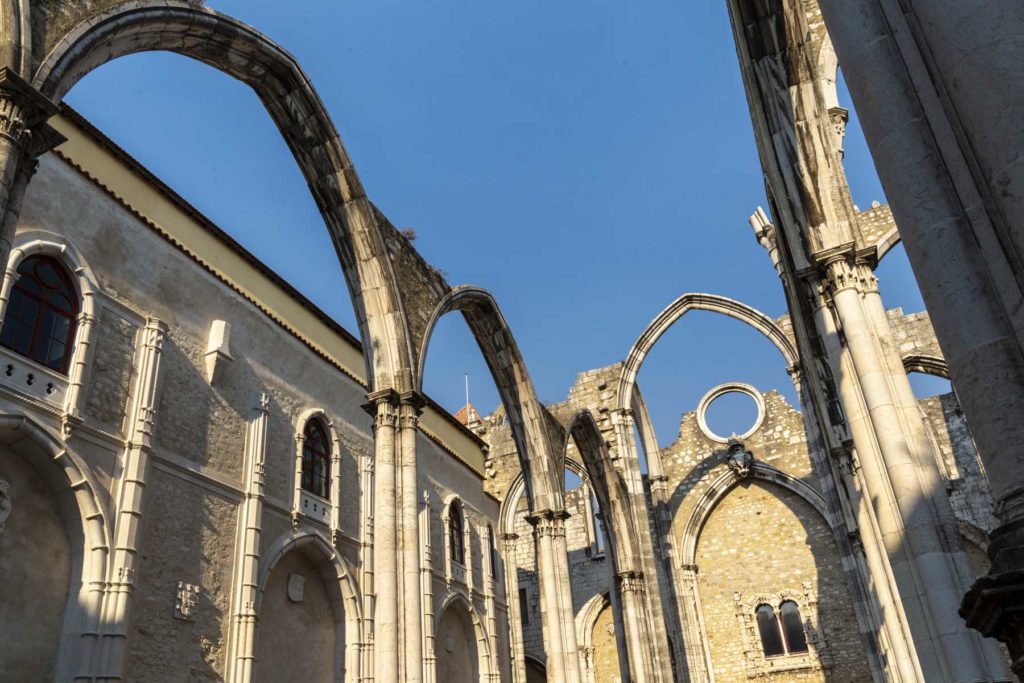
x=218 y=352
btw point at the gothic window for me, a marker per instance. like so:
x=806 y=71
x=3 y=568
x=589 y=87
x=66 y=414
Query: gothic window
x=783 y=636
x=456 y=540
x=768 y=628
x=793 y=627
x=524 y=607
x=316 y=460
x=41 y=313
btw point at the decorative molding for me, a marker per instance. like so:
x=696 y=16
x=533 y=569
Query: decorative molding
x=816 y=658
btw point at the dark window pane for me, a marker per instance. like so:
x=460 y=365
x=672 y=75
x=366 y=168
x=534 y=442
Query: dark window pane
x=768 y=628
x=316 y=460
x=40 y=318
x=457 y=540
x=793 y=627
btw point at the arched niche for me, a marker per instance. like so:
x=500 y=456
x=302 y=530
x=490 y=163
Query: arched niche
x=55 y=531
x=462 y=646
x=331 y=610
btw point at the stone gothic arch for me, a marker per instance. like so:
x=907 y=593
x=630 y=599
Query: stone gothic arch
x=486 y=661
x=528 y=419
x=686 y=303
x=338 y=578
x=78 y=498
x=277 y=79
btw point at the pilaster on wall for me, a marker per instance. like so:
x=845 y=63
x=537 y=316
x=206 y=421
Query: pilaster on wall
x=242 y=640
x=131 y=486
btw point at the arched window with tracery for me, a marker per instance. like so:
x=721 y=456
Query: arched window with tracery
x=768 y=628
x=782 y=632
x=41 y=313
x=316 y=460
x=793 y=627
x=456 y=538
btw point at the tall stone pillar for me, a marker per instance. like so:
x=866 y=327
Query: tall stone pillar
x=242 y=643
x=24 y=135
x=901 y=478
x=927 y=79
x=427 y=579
x=386 y=617
x=409 y=409
x=558 y=616
x=515 y=617
x=131 y=485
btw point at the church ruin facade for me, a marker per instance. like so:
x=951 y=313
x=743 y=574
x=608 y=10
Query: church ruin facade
x=203 y=477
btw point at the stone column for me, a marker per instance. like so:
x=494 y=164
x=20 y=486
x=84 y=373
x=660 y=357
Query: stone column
x=242 y=643
x=698 y=654
x=490 y=611
x=957 y=235
x=553 y=574
x=366 y=577
x=386 y=617
x=409 y=410
x=630 y=585
x=918 y=528
x=515 y=618
x=427 y=582
x=24 y=135
x=131 y=485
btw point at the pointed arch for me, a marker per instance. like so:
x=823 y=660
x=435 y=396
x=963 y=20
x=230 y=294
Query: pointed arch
x=243 y=53
x=77 y=493
x=724 y=484
x=485 y=658
x=528 y=419
x=698 y=302
x=338 y=578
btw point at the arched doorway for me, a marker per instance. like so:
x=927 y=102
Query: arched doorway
x=301 y=632
x=458 y=657
x=35 y=571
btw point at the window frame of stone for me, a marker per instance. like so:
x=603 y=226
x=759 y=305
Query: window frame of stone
x=24 y=375
x=458 y=570
x=309 y=505
x=815 y=658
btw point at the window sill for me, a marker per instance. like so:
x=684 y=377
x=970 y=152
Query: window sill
x=315 y=507
x=29 y=378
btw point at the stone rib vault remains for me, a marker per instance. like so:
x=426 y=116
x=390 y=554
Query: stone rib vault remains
x=202 y=477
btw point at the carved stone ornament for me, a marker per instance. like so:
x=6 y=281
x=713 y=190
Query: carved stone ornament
x=5 y=504
x=296 y=587
x=186 y=602
x=739 y=458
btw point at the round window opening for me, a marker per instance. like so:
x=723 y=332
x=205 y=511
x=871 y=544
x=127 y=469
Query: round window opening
x=731 y=410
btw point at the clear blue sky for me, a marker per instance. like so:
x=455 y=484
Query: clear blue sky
x=587 y=162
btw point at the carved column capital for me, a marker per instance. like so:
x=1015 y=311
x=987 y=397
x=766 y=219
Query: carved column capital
x=548 y=522
x=842 y=272
x=630 y=581
x=383 y=407
x=23 y=114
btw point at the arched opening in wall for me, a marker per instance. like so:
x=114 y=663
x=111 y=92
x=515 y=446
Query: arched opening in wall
x=218 y=148
x=456 y=375
x=732 y=414
x=36 y=566
x=926 y=385
x=458 y=656
x=772 y=584
x=301 y=629
x=701 y=351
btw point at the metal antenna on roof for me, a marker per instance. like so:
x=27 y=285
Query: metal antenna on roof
x=467 y=388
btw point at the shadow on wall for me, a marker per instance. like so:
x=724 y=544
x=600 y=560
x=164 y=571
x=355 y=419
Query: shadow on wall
x=763 y=544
